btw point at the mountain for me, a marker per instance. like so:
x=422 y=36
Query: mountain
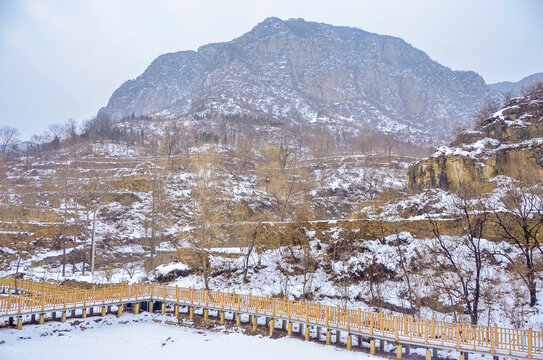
x=515 y=87
x=306 y=72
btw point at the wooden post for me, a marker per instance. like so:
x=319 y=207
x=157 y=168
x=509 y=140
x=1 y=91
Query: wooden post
x=327 y=316
x=63 y=318
x=103 y=311
x=206 y=314
x=372 y=323
x=428 y=354
x=221 y=317
x=372 y=346
x=306 y=333
x=151 y=306
x=42 y=319
x=426 y=332
x=461 y=357
x=328 y=337
x=176 y=311
x=20 y=323
x=397 y=330
x=177 y=293
x=120 y=310
x=289 y=331
x=84 y=313
x=272 y=325
x=530 y=343
x=163 y=309
x=349 y=342
x=136 y=308
x=398 y=351
x=191 y=313
x=255 y=322
x=457 y=333
x=238 y=320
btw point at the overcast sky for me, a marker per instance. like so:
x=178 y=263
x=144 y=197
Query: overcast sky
x=63 y=59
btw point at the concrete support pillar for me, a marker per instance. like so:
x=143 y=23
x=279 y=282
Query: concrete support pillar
x=306 y=333
x=84 y=314
x=372 y=346
x=63 y=318
x=221 y=317
x=272 y=326
x=206 y=314
x=120 y=311
x=428 y=354
x=191 y=313
x=103 y=311
x=398 y=351
x=42 y=319
x=136 y=308
x=238 y=320
x=328 y=337
x=163 y=309
x=20 y=323
x=255 y=322
x=289 y=331
x=349 y=342
x=176 y=311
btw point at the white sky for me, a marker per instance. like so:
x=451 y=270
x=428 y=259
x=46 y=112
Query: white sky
x=63 y=59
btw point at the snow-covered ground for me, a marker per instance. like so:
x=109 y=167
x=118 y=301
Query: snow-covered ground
x=148 y=336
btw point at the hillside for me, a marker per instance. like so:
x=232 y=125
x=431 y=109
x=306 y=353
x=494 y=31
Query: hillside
x=302 y=72
x=508 y=143
x=515 y=88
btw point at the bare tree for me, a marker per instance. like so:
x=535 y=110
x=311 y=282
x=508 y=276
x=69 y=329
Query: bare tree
x=208 y=209
x=466 y=271
x=286 y=181
x=521 y=225
x=8 y=138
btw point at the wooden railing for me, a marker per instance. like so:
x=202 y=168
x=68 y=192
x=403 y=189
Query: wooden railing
x=402 y=329
x=31 y=286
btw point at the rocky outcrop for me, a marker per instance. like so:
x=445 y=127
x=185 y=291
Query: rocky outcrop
x=299 y=71
x=509 y=143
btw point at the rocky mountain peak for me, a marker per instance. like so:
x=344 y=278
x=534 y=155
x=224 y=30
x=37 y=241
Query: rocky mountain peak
x=297 y=71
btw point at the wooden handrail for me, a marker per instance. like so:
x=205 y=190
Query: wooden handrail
x=400 y=328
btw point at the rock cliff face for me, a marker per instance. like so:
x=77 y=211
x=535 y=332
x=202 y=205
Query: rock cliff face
x=509 y=143
x=298 y=71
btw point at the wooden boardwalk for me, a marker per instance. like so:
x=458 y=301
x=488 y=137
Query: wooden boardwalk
x=41 y=298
